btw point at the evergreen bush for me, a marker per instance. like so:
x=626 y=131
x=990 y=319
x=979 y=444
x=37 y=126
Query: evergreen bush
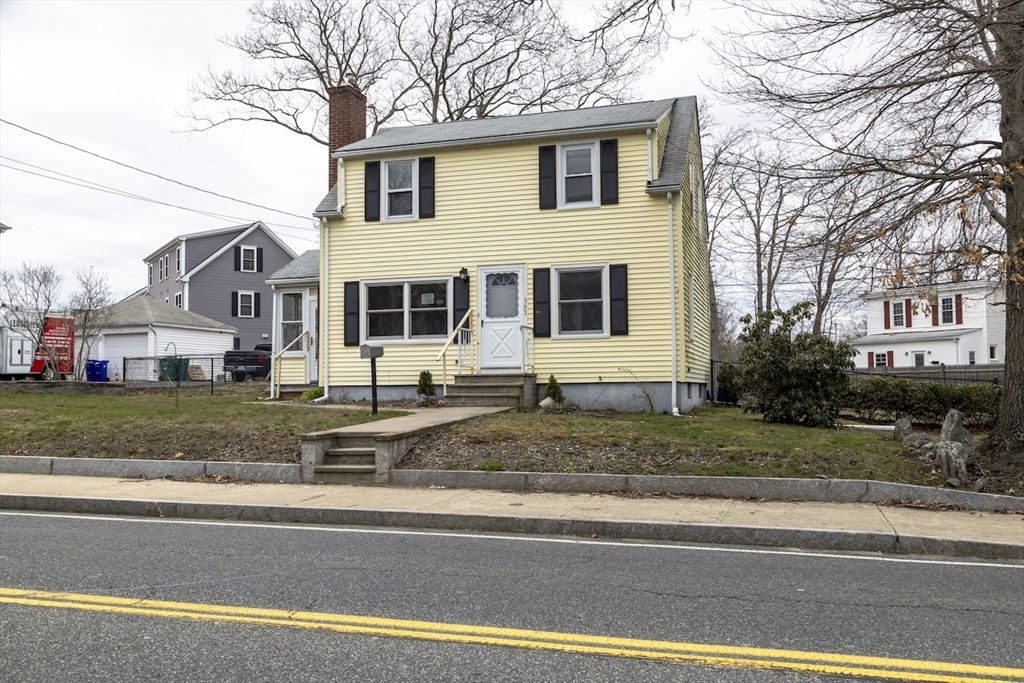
x=554 y=390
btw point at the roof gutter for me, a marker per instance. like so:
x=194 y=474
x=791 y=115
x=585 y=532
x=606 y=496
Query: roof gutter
x=672 y=302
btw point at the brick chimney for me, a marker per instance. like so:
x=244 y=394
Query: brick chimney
x=346 y=122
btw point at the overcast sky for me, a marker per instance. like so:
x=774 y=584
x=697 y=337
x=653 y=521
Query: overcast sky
x=112 y=78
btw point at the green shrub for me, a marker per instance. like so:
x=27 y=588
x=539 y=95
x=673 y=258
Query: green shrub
x=728 y=383
x=310 y=395
x=554 y=390
x=425 y=385
x=493 y=466
x=922 y=402
x=792 y=377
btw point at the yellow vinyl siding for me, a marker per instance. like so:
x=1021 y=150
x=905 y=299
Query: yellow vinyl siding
x=479 y=223
x=291 y=370
x=695 y=353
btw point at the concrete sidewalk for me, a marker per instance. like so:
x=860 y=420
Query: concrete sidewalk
x=810 y=525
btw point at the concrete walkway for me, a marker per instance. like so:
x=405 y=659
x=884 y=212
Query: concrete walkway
x=811 y=525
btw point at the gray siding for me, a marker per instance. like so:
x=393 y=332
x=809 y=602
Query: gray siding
x=210 y=289
x=169 y=286
x=199 y=249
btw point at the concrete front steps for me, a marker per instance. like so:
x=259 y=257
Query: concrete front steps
x=517 y=391
x=351 y=459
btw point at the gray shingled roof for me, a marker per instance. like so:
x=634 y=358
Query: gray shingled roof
x=673 y=163
x=473 y=131
x=328 y=206
x=924 y=336
x=304 y=267
x=145 y=310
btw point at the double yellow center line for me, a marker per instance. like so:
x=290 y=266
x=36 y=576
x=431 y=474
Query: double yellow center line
x=666 y=651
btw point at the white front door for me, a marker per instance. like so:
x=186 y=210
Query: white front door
x=502 y=317
x=313 y=343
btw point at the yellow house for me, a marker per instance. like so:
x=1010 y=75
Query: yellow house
x=498 y=252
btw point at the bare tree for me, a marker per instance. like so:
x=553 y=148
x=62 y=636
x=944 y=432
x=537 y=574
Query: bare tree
x=425 y=61
x=90 y=308
x=30 y=295
x=929 y=93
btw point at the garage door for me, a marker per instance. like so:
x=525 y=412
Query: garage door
x=121 y=346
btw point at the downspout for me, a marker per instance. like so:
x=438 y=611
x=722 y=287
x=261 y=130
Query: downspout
x=650 y=157
x=322 y=299
x=672 y=302
x=275 y=312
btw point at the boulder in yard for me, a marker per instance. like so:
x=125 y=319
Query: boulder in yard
x=952 y=459
x=953 y=430
x=902 y=429
x=916 y=440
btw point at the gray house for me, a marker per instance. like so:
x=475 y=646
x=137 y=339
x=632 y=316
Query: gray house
x=220 y=274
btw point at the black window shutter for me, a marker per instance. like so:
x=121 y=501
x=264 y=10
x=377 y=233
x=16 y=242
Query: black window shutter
x=609 y=172
x=371 y=191
x=427 y=188
x=460 y=300
x=238 y=258
x=541 y=302
x=351 y=314
x=548 y=178
x=619 y=299
x=234 y=304
x=256 y=305
x=259 y=259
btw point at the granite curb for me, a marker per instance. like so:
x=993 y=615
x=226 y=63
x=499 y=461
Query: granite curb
x=804 y=490
x=679 y=532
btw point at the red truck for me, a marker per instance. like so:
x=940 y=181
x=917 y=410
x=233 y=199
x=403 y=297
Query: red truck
x=23 y=358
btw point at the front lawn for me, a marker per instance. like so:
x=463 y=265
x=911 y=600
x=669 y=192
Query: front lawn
x=710 y=442
x=223 y=427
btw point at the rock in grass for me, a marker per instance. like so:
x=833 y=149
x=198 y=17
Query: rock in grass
x=902 y=429
x=953 y=430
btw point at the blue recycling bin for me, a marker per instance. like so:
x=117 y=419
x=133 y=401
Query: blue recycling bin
x=96 y=370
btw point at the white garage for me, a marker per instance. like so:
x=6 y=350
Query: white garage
x=143 y=327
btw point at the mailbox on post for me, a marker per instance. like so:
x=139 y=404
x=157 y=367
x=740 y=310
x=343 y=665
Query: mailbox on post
x=366 y=351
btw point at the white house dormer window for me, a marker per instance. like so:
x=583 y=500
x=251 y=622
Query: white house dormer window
x=400 y=184
x=946 y=310
x=578 y=182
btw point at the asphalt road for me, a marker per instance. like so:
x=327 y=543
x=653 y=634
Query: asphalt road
x=710 y=598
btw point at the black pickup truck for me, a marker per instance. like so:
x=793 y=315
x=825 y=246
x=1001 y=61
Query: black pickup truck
x=244 y=364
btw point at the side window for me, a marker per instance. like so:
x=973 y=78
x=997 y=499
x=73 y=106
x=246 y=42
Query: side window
x=399 y=184
x=581 y=298
x=946 y=310
x=578 y=180
x=291 y=319
x=248 y=259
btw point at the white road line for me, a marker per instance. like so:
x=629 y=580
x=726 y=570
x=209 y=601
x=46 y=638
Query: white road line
x=682 y=546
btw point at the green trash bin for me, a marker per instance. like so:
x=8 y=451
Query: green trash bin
x=168 y=368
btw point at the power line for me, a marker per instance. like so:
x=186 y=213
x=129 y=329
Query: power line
x=149 y=173
x=89 y=185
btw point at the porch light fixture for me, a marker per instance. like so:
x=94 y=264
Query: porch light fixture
x=463 y=274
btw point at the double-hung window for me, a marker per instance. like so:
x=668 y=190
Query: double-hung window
x=245 y=305
x=177 y=299
x=400 y=184
x=578 y=182
x=897 y=314
x=177 y=260
x=946 y=310
x=581 y=295
x=881 y=360
x=248 y=259
x=291 y=319
x=417 y=310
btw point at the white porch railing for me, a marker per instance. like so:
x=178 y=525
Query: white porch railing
x=462 y=336
x=275 y=381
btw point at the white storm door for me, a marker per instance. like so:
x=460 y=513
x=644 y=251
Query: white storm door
x=313 y=343
x=502 y=316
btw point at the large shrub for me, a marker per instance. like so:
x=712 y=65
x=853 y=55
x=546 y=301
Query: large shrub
x=790 y=376
x=923 y=402
x=729 y=379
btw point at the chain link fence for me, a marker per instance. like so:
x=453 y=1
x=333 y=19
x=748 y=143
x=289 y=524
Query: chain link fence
x=154 y=372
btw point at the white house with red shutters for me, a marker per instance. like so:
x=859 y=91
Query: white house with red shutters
x=960 y=323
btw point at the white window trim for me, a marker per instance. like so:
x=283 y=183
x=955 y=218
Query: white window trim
x=178 y=300
x=384 y=215
x=405 y=338
x=885 y=359
x=992 y=349
x=606 y=302
x=901 y=307
x=252 y=304
x=150 y=274
x=295 y=351
x=177 y=259
x=972 y=357
x=952 y=310
x=241 y=262
x=595 y=175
